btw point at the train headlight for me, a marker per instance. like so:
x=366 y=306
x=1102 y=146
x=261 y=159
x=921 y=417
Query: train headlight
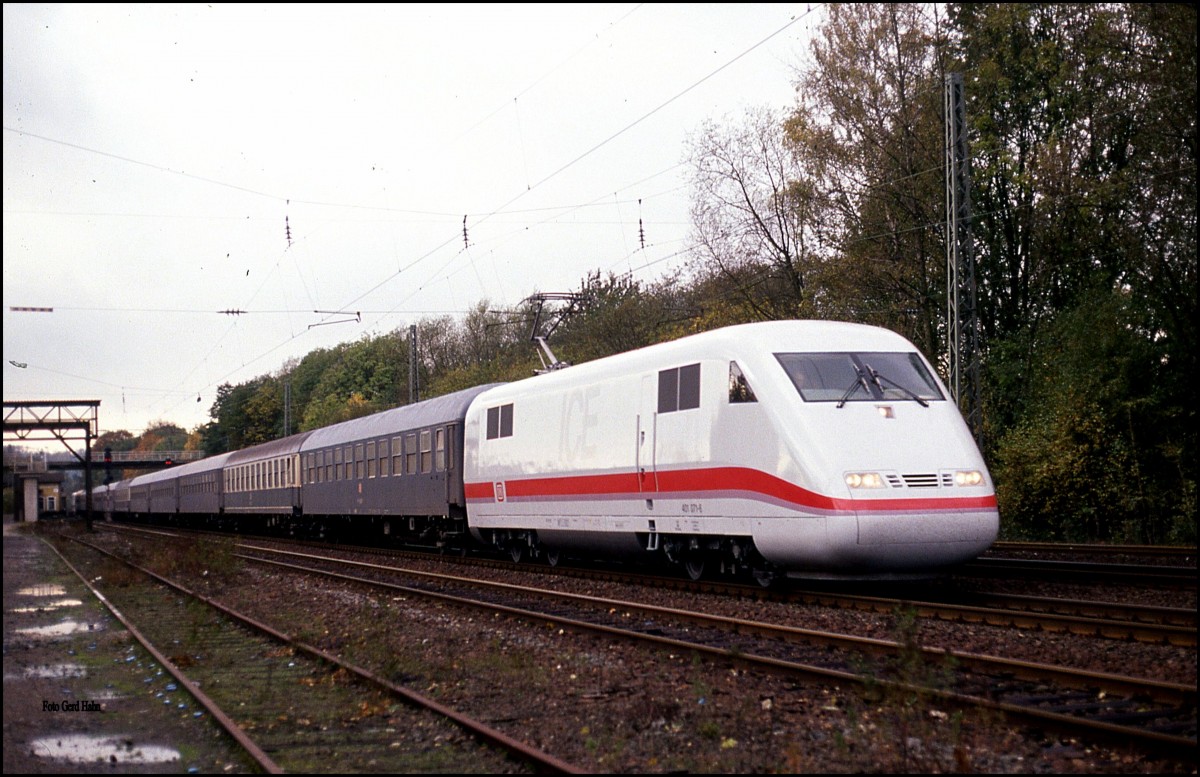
x=864 y=480
x=972 y=477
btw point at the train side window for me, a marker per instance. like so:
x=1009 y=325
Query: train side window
x=426 y=452
x=371 y=459
x=384 y=458
x=679 y=388
x=358 y=461
x=337 y=458
x=328 y=465
x=439 y=455
x=410 y=453
x=500 y=421
x=397 y=457
x=739 y=387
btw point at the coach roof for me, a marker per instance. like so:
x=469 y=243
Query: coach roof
x=431 y=412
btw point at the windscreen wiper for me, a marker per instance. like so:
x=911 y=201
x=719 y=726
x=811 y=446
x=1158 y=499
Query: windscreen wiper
x=860 y=380
x=878 y=380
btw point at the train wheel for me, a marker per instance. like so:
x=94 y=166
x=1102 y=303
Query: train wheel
x=694 y=567
x=764 y=577
x=553 y=557
x=517 y=551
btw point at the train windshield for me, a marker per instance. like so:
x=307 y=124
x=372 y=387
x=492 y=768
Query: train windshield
x=860 y=377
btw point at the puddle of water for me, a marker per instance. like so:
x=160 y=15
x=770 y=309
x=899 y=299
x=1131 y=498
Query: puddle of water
x=55 y=671
x=45 y=589
x=60 y=629
x=50 y=606
x=85 y=748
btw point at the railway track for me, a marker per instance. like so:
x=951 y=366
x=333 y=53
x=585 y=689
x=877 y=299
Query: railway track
x=1082 y=571
x=1123 y=621
x=291 y=705
x=1087 y=704
x=1149 y=713
x=1176 y=554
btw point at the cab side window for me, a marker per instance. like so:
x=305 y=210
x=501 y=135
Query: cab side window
x=739 y=387
x=679 y=388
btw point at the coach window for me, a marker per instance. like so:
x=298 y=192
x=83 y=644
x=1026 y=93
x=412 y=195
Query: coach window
x=384 y=458
x=358 y=461
x=439 y=456
x=410 y=453
x=426 y=452
x=397 y=456
x=679 y=389
x=371 y=459
x=739 y=387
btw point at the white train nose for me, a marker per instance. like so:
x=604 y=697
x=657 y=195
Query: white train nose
x=881 y=543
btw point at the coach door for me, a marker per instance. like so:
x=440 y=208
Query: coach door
x=647 y=436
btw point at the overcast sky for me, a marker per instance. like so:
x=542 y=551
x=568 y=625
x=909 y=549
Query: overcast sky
x=163 y=163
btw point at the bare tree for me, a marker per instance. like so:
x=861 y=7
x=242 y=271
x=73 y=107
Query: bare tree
x=754 y=214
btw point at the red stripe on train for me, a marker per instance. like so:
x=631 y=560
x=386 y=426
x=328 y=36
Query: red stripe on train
x=678 y=483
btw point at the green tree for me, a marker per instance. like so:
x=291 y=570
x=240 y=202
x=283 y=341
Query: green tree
x=868 y=122
x=1090 y=459
x=162 y=436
